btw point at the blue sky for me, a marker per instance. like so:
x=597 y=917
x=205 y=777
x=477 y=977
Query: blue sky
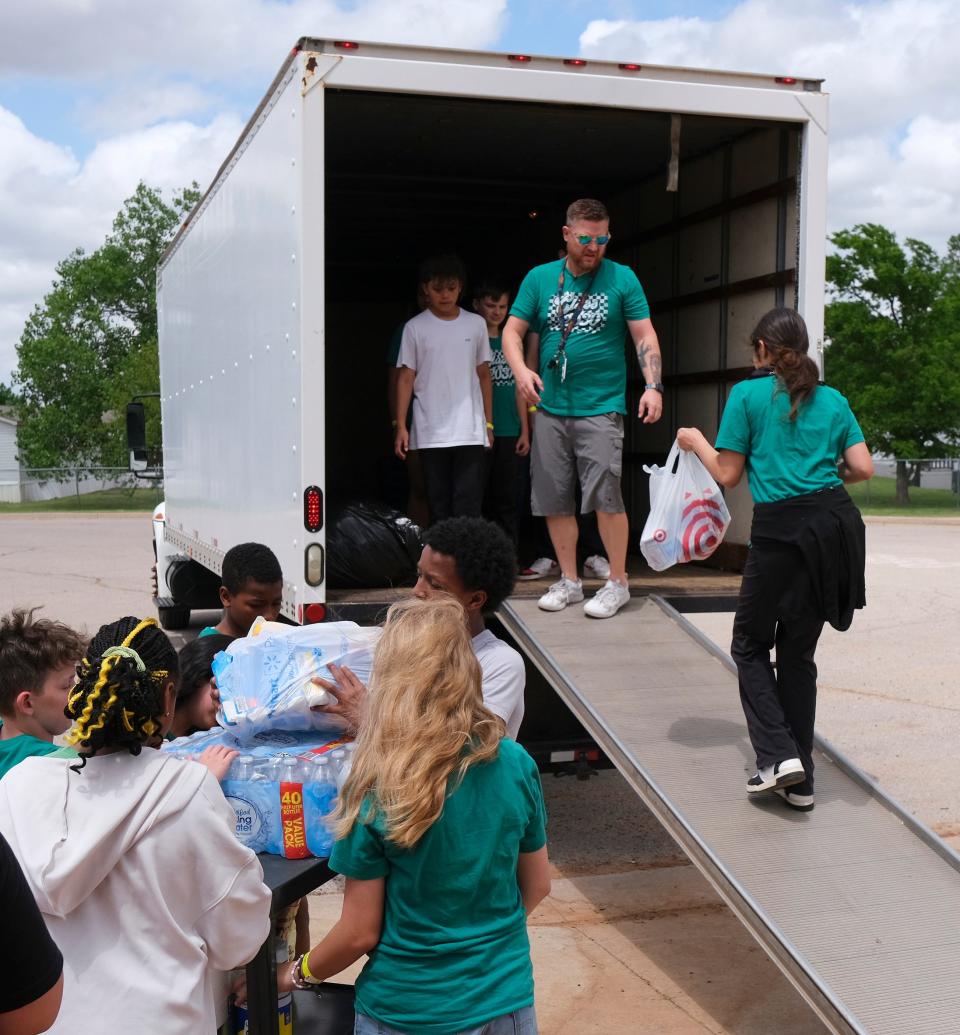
x=96 y=95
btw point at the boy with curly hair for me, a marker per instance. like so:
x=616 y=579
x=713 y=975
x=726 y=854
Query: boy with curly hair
x=38 y=668
x=472 y=560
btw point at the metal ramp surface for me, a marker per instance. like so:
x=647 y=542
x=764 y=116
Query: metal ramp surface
x=856 y=902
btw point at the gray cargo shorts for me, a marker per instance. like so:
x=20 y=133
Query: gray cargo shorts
x=568 y=448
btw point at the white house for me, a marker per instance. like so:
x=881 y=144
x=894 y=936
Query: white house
x=9 y=465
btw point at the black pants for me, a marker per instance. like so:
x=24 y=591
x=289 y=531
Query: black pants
x=780 y=706
x=455 y=478
x=500 y=499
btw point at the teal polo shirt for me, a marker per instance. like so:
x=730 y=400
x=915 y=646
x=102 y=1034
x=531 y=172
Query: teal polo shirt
x=787 y=458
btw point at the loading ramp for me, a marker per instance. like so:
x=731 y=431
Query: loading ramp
x=856 y=902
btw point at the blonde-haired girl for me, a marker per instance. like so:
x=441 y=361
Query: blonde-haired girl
x=441 y=829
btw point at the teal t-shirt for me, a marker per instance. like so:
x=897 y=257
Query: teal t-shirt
x=16 y=749
x=596 y=380
x=454 y=952
x=787 y=458
x=506 y=420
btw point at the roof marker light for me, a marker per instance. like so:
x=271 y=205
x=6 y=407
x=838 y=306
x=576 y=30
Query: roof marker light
x=522 y=58
x=346 y=44
x=787 y=80
x=574 y=62
x=629 y=67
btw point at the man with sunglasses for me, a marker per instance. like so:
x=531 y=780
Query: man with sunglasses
x=585 y=306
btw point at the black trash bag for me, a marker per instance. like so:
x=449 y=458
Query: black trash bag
x=370 y=546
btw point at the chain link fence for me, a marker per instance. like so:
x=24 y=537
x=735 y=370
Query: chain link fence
x=92 y=487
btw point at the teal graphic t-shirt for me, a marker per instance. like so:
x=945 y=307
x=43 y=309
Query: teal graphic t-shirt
x=787 y=458
x=596 y=376
x=453 y=908
x=506 y=420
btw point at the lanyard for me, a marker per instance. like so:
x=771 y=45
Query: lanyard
x=567 y=324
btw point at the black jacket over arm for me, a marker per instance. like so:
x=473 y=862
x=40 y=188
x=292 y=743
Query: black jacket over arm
x=827 y=529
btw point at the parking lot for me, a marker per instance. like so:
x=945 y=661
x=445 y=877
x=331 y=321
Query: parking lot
x=631 y=929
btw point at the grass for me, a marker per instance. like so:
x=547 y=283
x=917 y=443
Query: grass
x=105 y=499
x=878 y=497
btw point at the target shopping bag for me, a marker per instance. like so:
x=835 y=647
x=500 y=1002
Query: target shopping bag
x=688 y=515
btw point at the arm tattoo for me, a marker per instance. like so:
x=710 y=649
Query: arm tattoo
x=651 y=365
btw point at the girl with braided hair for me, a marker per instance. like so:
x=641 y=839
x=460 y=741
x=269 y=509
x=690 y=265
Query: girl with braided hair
x=130 y=852
x=798 y=442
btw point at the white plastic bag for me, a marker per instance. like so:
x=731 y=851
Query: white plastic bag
x=264 y=678
x=688 y=515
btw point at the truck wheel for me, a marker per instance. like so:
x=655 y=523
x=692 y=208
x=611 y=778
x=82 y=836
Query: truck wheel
x=173 y=617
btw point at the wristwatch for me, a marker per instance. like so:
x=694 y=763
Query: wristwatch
x=657 y=386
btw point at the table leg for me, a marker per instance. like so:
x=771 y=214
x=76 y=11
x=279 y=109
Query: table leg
x=262 y=991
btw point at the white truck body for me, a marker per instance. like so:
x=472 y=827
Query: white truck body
x=275 y=297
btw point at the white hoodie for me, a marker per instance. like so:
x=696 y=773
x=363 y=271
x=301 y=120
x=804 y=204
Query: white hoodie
x=143 y=886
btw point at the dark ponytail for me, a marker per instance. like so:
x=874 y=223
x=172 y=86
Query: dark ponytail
x=118 y=701
x=784 y=334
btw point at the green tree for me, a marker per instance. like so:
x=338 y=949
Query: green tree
x=7 y=395
x=92 y=343
x=893 y=328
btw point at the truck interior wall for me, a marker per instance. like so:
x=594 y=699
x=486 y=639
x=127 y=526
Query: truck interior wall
x=411 y=175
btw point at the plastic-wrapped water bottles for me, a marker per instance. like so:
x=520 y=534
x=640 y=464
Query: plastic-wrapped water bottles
x=253 y=796
x=319 y=795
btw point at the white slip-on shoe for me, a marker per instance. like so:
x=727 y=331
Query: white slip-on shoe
x=771 y=777
x=596 y=567
x=561 y=593
x=608 y=600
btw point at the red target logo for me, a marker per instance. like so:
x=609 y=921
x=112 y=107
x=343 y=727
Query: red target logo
x=701 y=529
x=660 y=535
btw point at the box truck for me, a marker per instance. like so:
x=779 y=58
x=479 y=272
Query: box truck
x=278 y=295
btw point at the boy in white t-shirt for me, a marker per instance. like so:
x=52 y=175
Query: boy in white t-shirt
x=444 y=365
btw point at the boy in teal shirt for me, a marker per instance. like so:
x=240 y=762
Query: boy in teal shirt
x=511 y=427
x=38 y=669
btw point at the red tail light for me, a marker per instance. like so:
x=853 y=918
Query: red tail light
x=312 y=508
x=574 y=62
x=346 y=44
x=787 y=80
x=314 y=613
x=522 y=58
x=629 y=67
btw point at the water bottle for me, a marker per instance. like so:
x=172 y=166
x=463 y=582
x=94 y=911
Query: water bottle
x=319 y=794
x=337 y=760
x=350 y=750
x=292 y=818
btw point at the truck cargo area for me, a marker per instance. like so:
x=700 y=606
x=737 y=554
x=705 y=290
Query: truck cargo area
x=408 y=175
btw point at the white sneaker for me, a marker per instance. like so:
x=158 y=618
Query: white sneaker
x=596 y=567
x=771 y=777
x=561 y=593
x=541 y=568
x=800 y=802
x=607 y=601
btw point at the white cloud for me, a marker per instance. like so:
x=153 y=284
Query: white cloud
x=149 y=104
x=157 y=72
x=890 y=69
x=50 y=203
x=220 y=40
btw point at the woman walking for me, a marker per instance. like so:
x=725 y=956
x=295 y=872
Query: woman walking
x=799 y=442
